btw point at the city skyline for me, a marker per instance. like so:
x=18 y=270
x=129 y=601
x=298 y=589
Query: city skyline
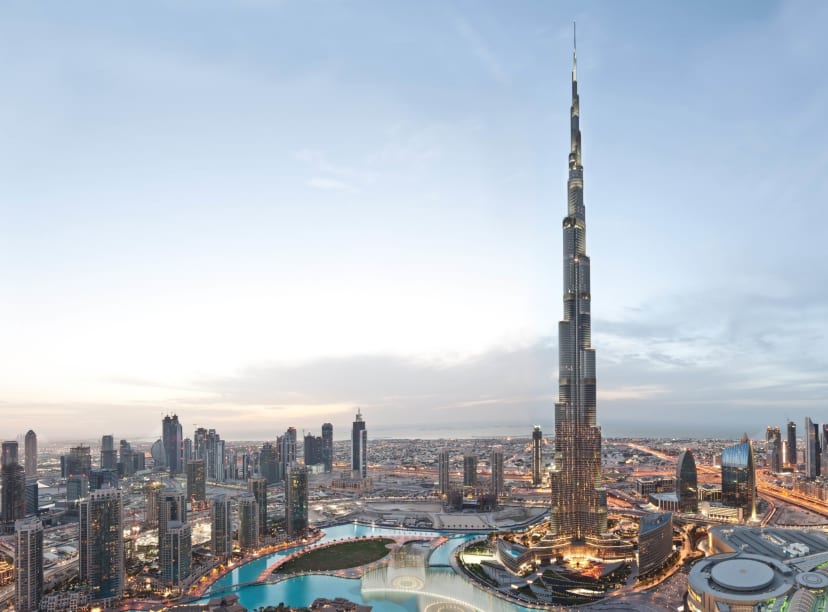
x=365 y=215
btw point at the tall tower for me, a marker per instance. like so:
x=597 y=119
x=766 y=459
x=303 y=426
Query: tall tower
x=537 y=455
x=443 y=469
x=13 y=481
x=172 y=436
x=109 y=456
x=791 y=458
x=359 y=446
x=327 y=446
x=296 y=500
x=579 y=508
x=497 y=471
x=258 y=487
x=221 y=534
x=812 y=449
x=101 y=553
x=31 y=454
x=28 y=564
x=248 y=521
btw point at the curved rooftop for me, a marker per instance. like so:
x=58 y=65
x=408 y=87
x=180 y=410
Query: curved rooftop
x=739 y=578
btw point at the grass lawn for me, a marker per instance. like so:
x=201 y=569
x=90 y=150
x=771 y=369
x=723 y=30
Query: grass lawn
x=338 y=556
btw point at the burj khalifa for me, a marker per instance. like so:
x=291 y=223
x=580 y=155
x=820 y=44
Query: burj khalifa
x=579 y=506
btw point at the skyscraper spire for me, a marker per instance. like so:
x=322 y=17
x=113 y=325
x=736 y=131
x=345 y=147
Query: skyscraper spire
x=579 y=508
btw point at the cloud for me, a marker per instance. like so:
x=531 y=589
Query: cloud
x=480 y=49
x=328 y=184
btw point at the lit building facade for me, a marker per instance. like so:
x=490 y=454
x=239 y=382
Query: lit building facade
x=579 y=507
x=258 y=487
x=28 y=564
x=248 y=522
x=359 y=446
x=196 y=481
x=101 y=549
x=296 y=500
x=812 y=448
x=773 y=449
x=221 y=533
x=176 y=555
x=537 y=456
x=469 y=469
x=327 y=446
x=655 y=541
x=739 y=478
x=497 y=471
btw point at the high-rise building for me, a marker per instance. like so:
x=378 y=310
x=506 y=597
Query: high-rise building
x=655 y=541
x=77 y=488
x=537 y=456
x=791 y=458
x=312 y=449
x=172 y=507
x=444 y=482
x=78 y=462
x=579 y=506
x=359 y=446
x=296 y=500
x=739 y=478
x=109 y=456
x=31 y=454
x=687 y=486
x=287 y=450
x=126 y=459
x=773 y=449
x=327 y=446
x=13 y=481
x=172 y=436
x=101 y=549
x=469 y=468
x=812 y=449
x=221 y=534
x=28 y=564
x=153 y=491
x=196 y=481
x=32 y=496
x=268 y=465
x=214 y=449
x=175 y=557
x=497 y=471
x=248 y=522
x=187 y=452
x=258 y=487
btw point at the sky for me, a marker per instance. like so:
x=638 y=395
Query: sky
x=260 y=214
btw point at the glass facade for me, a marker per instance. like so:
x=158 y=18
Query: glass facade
x=101 y=551
x=739 y=478
x=296 y=500
x=578 y=509
x=687 y=486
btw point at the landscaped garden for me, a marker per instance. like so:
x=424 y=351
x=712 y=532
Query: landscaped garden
x=338 y=556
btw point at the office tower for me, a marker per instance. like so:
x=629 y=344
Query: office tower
x=126 y=462
x=187 y=453
x=172 y=437
x=109 y=456
x=655 y=541
x=359 y=446
x=32 y=496
x=579 y=507
x=469 y=469
x=214 y=447
x=444 y=482
x=327 y=446
x=312 y=449
x=28 y=564
x=268 y=466
x=248 y=521
x=687 y=487
x=824 y=439
x=175 y=554
x=101 y=545
x=10 y=452
x=773 y=449
x=497 y=471
x=739 y=478
x=537 y=456
x=296 y=500
x=172 y=508
x=78 y=461
x=200 y=444
x=31 y=454
x=196 y=481
x=103 y=479
x=258 y=487
x=791 y=458
x=153 y=491
x=221 y=534
x=77 y=488
x=287 y=450
x=812 y=449
x=13 y=481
